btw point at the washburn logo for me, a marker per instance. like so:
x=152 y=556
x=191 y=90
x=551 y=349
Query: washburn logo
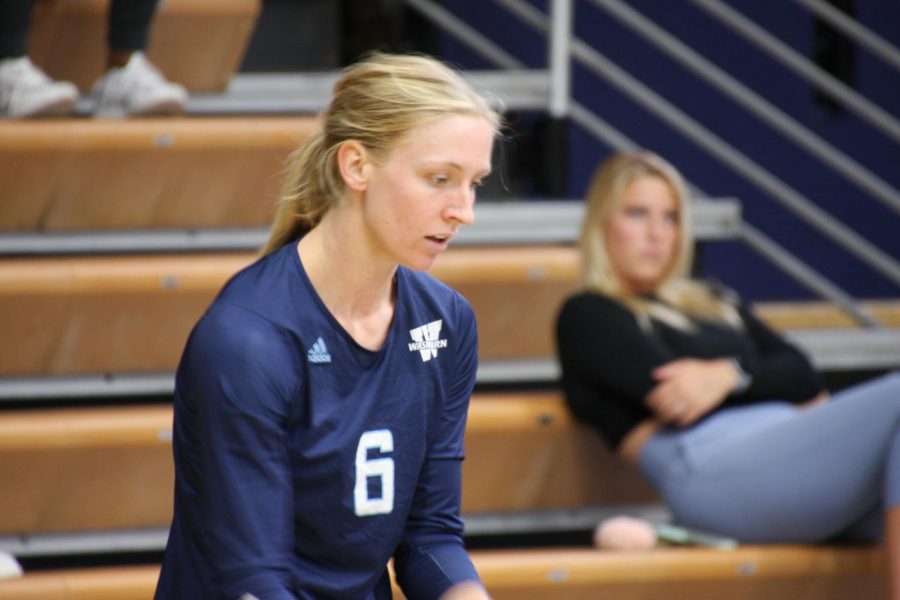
x=425 y=340
x=319 y=352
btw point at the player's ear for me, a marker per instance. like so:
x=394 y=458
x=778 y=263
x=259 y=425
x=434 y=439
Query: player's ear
x=354 y=165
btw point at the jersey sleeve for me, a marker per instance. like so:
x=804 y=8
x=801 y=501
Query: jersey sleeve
x=779 y=369
x=235 y=385
x=447 y=441
x=431 y=557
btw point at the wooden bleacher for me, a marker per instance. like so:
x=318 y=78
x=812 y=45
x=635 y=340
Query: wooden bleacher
x=184 y=172
x=112 y=583
x=104 y=472
x=774 y=573
x=753 y=572
x=68 y=40
x=524 y=452
x=133 y=313
x=786 y=316
x=113 y=314
x=86 y=469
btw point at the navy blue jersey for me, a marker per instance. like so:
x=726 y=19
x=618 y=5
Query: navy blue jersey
x=304 y=462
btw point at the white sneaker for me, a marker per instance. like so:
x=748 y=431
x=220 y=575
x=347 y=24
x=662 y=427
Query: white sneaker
x=25 y=91
x=138 y=88
x=9 y=566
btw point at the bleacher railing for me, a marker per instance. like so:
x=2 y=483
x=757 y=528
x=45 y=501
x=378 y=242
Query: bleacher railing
x=561 y=41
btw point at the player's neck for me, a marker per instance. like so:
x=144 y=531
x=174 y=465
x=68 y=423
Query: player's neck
x=357 y=291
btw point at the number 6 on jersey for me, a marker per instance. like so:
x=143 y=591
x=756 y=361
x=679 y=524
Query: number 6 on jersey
x=381 y=440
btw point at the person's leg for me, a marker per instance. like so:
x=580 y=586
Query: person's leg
x=129 y=29
x=25 y=90
x=132 y=85
x=15 y=17
x=798 y=477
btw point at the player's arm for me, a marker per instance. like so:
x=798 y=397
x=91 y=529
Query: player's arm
x=431 y=562
x=235 y=392
x=432 y=558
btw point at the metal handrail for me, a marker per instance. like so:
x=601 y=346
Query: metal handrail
x=741 y=163
x=601 y=129
x=789 y=197
x=560 y=64
x=863 y=36
x=558 y=54
x=527 y=13
x=466 y=34
x=805 y=274
x=612 y=137
x=753 y=102
x=865 y=109
x=726 y=153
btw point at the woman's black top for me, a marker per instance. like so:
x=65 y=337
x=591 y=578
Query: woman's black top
x=607 y=359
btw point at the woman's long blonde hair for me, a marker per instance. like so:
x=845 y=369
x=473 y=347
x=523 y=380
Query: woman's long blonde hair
x=376 y=102
x=677 y=296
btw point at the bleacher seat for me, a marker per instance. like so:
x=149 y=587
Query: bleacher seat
x=198 y=43
x=82 y=174
x=110 y=467
x=97 y=469
x=85 y=469
x=525 y=452
x=773 y=573
x=132 y=313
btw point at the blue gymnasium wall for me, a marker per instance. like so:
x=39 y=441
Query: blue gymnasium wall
x=734 y=263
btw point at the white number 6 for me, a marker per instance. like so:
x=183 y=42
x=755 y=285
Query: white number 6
x=383 y=468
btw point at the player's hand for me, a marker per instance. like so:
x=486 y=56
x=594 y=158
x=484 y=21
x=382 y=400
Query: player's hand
x=689 y=388
x=467 y=590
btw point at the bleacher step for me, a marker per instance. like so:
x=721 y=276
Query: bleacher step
x=771 y=572
x=80 y=174
x=475 y=525
x=100 y=316
x=198 y=43
x=308 y=93
x=496 y=223
x=525 y=453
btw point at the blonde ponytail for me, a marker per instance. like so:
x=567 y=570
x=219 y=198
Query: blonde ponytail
x=311 y=186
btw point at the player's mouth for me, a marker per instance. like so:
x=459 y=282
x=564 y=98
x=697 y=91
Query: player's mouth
x=440 y=241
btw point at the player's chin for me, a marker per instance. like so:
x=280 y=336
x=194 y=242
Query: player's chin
x=421 y=259
x=420 y=262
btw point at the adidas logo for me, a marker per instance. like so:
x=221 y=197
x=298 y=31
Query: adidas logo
x=425 y=340
x=319 y=352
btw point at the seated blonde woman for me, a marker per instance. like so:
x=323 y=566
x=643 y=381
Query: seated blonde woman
x=728 y=421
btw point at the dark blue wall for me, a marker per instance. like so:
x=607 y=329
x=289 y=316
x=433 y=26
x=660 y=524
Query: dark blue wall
x=733 y=262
